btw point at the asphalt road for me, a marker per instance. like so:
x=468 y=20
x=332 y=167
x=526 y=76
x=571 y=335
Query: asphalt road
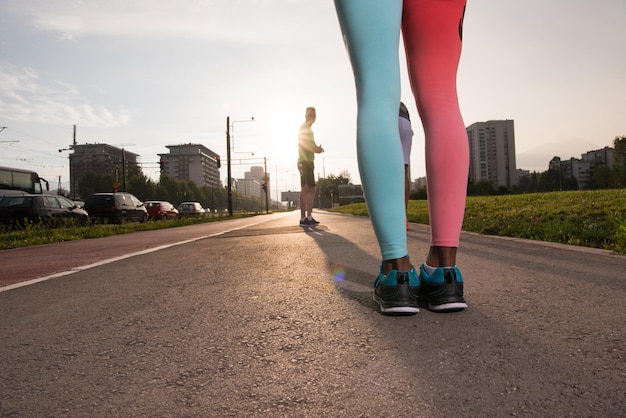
x=259 y=317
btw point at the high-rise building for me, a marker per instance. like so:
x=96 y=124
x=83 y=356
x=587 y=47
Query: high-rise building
x=252 y=183
x=103 y=160
x=192 y=162
x=492 y=152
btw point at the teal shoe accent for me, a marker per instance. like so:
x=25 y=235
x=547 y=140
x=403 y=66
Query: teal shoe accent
x=391 y=279
x=438 y=276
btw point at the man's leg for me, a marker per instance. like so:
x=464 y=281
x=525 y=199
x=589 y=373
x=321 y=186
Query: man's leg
x=308 y=192
x=303 y=201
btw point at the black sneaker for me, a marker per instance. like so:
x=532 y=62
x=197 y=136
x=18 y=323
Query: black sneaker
x=314 y=221
x=307 y=222
x=442 y=291
x=396 y=292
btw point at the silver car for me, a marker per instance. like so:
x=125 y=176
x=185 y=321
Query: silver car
x=190 y=209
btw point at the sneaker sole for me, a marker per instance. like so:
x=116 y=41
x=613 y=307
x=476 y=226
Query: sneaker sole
x=396 y=310
x=448 y=307
x=399 y=310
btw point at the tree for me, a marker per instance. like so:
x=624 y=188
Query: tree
x=419 y=194
x=550 y=181
x=482 y=187
x=602 y=178
x=141 y=186
x=619 y=160
x=95 y=183
x=328 y=188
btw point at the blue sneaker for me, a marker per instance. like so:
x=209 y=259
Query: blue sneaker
x=396 y=292
x=442 y=291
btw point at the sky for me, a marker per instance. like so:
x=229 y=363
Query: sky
x=144 y=74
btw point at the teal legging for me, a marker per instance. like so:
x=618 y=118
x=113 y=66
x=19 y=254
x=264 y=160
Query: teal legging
x=372 y=33
x=432 y=34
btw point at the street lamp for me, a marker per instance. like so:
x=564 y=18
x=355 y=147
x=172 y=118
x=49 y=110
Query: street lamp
x=230 y=126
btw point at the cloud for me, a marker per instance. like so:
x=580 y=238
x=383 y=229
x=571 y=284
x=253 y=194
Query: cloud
x=26 y=97
x=197 y=19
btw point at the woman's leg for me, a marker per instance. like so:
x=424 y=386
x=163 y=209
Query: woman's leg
x=372 y=31
x=432 y=31
x=432 y=34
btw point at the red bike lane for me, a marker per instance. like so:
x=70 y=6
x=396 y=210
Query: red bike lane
x=42 y=261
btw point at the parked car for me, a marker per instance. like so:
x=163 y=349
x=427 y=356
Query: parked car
x=48 y=209
x=115 y=207
x=160 y=209
x=190 y=209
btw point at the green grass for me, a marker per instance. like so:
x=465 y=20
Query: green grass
x=37 y=234
x=595 y=218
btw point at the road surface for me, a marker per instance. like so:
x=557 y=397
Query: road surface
x=260 y=317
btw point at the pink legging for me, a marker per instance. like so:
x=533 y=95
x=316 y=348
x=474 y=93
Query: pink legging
x=432 y=33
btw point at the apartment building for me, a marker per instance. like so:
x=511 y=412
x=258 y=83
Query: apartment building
x=101 y=159
x=492 y=152
x=582 y=168
x=252 y=183
x=193 y=162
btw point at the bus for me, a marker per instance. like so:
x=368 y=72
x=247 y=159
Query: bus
x=16 y=181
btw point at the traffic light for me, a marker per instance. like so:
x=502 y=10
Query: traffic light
x=161 y=164
x=218 y=161
x=264 y=187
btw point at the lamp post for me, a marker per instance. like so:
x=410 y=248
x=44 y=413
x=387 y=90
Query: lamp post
x=230 y=126
x=72 y=185
x=266 y=178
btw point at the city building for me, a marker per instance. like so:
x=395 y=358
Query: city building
x=598 y=157
x=522 y=173
x=582 y=168
x=101 y=159
x=192 y=162
x=248 y=187
x=252 y=183
x=492 y=152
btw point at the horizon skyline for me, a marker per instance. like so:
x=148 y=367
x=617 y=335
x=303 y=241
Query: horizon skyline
x=414 y=179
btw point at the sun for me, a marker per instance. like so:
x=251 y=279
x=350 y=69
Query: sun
x=279 y=124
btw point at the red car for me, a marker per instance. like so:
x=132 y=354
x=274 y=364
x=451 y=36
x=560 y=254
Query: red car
x=161 y=210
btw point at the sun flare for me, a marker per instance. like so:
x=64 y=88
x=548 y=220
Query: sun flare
x=280 y=125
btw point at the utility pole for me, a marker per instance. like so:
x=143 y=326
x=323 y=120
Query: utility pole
x=228 y=161
x=228 y=175
x=266 y=179
x=73 y=184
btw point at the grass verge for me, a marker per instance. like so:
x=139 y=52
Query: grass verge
x=594 y=218
x=37 y=234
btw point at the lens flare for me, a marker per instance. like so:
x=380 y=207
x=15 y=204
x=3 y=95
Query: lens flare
x=338 y=272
